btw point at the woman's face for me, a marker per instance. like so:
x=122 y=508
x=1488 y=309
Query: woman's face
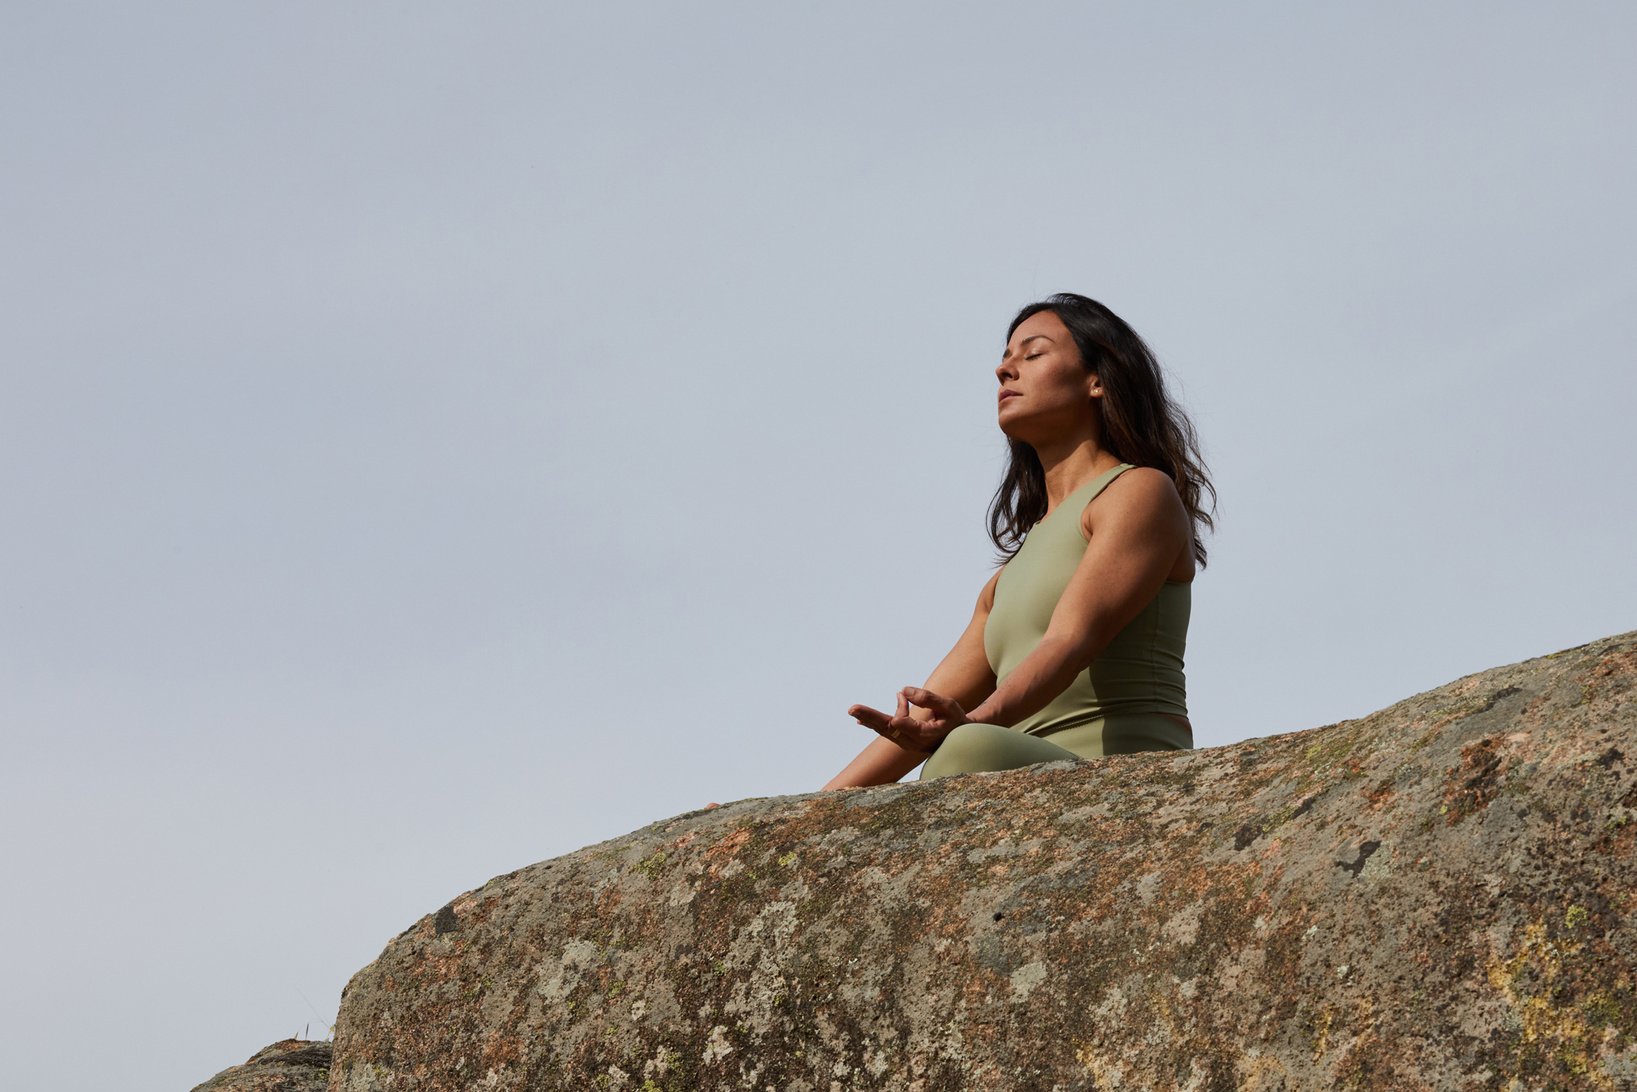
x=1045 y=391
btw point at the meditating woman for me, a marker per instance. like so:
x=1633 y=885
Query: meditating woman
x=1076 y=646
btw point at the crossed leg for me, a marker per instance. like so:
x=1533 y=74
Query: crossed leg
x=975 y=748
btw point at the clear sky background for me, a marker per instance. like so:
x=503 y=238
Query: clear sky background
x=435 y=437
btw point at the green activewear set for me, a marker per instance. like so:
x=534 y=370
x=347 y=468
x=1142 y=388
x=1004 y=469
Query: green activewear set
x=1115 y=706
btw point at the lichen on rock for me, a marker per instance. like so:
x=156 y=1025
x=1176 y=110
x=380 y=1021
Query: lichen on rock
x=1435 y=896
x=289 y=1065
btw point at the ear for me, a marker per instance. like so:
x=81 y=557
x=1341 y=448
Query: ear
x=1094 y=386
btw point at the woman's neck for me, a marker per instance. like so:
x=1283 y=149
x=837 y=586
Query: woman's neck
x=1071 y=466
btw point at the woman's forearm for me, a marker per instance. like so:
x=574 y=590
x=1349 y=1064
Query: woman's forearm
x=882 y=762
x=1034 y=684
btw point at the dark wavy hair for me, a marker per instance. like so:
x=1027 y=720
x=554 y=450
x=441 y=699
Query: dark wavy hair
x=1141 y=425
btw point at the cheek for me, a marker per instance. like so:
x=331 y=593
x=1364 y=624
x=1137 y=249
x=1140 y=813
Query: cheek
x=1071 y=384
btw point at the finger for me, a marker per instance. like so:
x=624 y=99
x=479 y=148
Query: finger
x=903 y=705
x=890 y=731
x=870 y=718
x=926 y=699
x=914 y=734
x=903 y=739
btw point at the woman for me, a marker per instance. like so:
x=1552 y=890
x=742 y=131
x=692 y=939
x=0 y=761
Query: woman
x=1075 y=648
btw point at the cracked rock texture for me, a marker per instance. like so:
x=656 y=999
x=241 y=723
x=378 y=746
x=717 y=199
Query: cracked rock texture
x=290 y=1065
x=1436 y=896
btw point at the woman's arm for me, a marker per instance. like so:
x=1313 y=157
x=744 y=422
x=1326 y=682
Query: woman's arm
x=963 y=675
x=1138 y=532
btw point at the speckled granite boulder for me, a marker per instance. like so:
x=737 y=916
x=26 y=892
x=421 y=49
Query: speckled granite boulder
x=290 y=1065
x=1436 y=896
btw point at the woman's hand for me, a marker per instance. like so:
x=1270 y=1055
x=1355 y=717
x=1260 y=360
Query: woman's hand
x=922 y=734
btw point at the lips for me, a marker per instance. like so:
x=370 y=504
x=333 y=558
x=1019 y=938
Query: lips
x=1005 y=394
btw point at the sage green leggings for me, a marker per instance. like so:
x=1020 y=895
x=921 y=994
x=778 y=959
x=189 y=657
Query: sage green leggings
x=976 y=748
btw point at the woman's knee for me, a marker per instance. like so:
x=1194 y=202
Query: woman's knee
x=976 y=748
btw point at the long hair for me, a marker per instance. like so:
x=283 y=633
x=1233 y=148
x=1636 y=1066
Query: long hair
x=1141 y=425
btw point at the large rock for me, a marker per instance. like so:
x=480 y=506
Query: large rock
x=1437 y=896
x=289 y=1065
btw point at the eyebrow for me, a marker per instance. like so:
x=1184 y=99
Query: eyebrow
x=1025 y=341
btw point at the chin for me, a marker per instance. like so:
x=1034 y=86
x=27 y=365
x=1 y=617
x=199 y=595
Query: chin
x=1047 y=425
x=1017 y=428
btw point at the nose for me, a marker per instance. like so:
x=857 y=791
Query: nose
x=1005 y=370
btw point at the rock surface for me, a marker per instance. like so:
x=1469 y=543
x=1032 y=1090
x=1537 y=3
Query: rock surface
x=1436 y=896
x=290 y=1065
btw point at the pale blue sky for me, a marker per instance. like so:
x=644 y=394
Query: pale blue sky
x=436 y=437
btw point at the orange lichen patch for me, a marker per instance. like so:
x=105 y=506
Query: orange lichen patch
x=1470 y=786
x=722 y=851
x=1379 y=795
x=501 y=1050
x=447 y=966
x=1615 y=663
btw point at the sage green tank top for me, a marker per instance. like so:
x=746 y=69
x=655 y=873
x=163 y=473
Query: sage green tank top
x=1141 y=669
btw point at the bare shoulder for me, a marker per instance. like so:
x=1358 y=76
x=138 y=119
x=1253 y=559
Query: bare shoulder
x=986 y=597
x=1142 y=510
x=1143 y=494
